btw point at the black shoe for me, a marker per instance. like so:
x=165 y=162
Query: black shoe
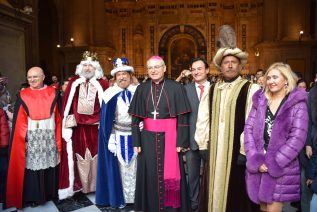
x=295 y=204
x=195 y=209
x=34 y=205
x=31 y=204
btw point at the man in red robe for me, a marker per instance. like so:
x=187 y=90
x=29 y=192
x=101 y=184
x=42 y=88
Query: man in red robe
x=81 y=109
x=35 y=144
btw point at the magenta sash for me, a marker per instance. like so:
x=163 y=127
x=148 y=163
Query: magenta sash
x=171 y=162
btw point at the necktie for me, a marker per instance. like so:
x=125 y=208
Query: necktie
x=201 y=91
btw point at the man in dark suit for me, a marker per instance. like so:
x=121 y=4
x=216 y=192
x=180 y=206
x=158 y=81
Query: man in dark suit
x=199 y=71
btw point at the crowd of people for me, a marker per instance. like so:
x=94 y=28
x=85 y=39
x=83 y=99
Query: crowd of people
x=254 y=141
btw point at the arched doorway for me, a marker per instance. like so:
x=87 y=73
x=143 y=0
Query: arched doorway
x=181 y=49
x=179 y=45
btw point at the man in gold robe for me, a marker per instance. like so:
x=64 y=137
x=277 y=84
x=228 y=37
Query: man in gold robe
x=219 y=135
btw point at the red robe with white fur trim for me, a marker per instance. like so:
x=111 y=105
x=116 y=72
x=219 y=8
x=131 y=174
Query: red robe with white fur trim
x=82 y=137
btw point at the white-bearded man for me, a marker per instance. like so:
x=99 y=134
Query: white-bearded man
x=81 y=114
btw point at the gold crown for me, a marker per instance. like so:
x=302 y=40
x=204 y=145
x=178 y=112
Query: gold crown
x=92 y=56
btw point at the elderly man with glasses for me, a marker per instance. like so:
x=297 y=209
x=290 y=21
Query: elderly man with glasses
x=161 y=106
x=35 y=144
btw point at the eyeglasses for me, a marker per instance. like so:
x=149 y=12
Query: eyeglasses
x=150 y=68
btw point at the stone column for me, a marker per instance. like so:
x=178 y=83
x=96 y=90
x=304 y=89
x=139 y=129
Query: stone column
x=75 y=24
x=270 y=20
x=102 y=26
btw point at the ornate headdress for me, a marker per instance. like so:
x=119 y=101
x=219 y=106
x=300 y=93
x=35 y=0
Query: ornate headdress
x=91 y=56
x=121 y=64
x=227 y=44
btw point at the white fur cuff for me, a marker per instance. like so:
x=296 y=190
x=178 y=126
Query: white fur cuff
x=67 y=134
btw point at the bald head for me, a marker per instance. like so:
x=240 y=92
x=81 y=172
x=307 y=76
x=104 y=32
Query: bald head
x=35 y=77
x=36 y=70
x=153 y=58
x=156 y=68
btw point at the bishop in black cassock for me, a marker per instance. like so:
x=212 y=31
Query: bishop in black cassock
x=162 y=106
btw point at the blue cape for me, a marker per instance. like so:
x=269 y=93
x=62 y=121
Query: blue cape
x=109 y=189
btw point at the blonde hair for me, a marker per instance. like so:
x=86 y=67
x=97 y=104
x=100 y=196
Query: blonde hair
x=286 y=72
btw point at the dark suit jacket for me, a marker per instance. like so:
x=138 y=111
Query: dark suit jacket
x=194 y=104
x=312 y=107
x=311 y=170
x=312 y=127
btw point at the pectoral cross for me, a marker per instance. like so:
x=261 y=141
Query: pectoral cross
x=154 y=114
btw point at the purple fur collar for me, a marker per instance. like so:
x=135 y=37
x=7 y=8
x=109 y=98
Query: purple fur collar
x=296 y=96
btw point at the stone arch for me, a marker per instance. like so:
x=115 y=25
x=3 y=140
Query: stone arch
x=181 y=32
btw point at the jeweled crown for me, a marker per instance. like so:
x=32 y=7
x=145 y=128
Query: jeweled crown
x=91 y=56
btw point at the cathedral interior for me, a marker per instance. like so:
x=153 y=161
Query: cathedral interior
x=53 y=34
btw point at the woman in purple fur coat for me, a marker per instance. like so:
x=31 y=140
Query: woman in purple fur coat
x=275 y=132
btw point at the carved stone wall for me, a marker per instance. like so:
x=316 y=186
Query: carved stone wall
x=199 y=19
x=139 y=29
x=268 y=30
x=16 y=46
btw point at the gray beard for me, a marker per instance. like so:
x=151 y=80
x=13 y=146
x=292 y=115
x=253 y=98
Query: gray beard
x=88 y=75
